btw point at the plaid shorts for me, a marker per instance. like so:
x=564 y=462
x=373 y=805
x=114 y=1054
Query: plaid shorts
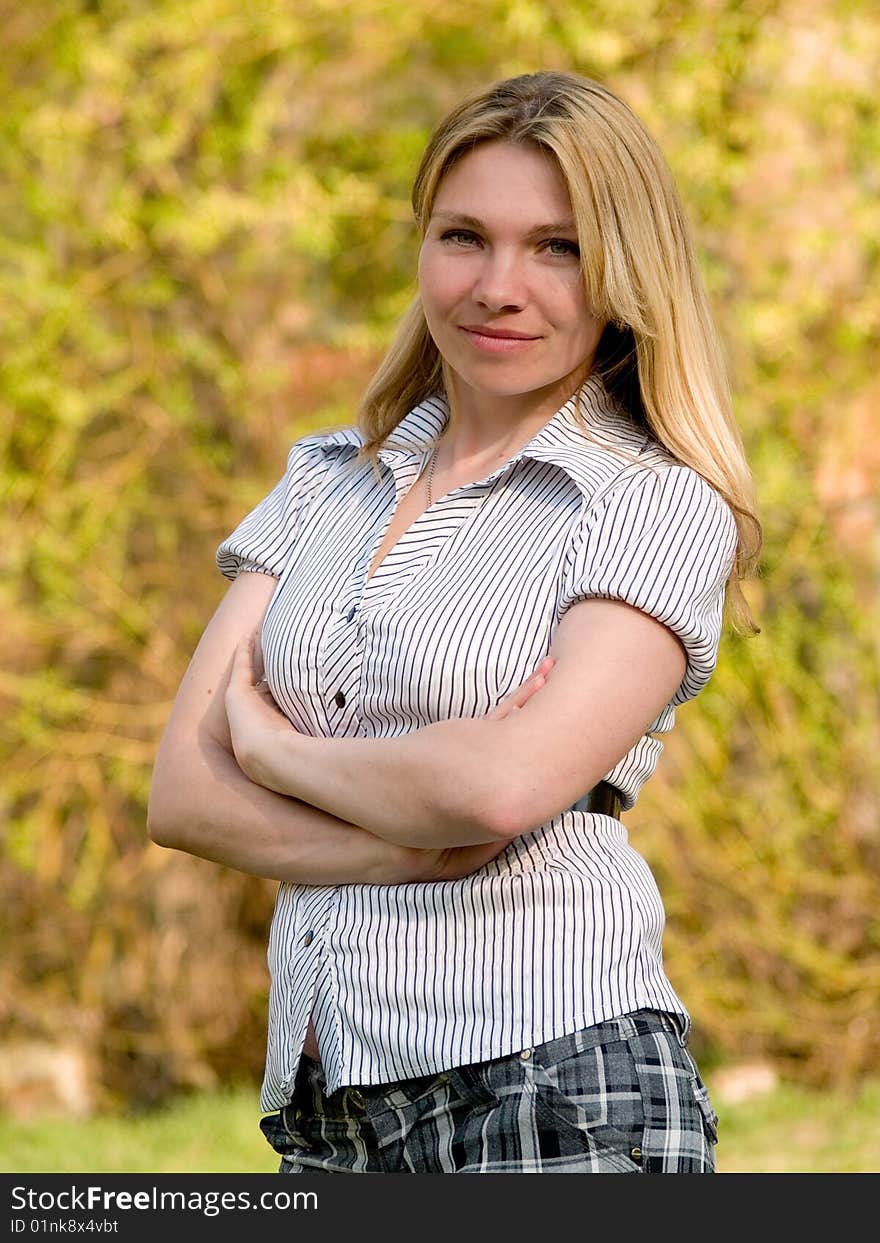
x=621 y=1097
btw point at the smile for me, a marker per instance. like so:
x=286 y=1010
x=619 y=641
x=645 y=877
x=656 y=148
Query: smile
x=497 y=342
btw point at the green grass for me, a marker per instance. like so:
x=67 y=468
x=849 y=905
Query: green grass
x=795 y=1131
x=790 y=1130
x=214 y=1133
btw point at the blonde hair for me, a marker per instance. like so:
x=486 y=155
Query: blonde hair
x=659 y=355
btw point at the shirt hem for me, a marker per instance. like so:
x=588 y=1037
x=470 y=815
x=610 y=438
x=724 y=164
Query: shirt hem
x=404 y=1069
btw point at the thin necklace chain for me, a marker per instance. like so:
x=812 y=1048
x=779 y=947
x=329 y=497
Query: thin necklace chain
x=431 y=465
x=429 y=479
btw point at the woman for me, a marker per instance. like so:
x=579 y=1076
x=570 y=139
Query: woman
x=476 y=611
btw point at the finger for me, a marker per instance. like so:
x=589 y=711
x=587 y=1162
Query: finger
x=241 y=659
x=259 y=668
x=535 y=682
x=242 y=671
x=517 y=698
x=523 y=693
x=514 y=701
x=239 y=679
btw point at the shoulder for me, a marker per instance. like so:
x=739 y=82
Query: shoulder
x=328 y=443
x=659 y=489
x=309 y=458
x=662 y=530
x=622 y=470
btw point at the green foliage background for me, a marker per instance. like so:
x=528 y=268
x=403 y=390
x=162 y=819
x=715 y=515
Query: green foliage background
x=205 y=240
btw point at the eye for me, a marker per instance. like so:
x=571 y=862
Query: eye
x=461 y=237
x=561 y=247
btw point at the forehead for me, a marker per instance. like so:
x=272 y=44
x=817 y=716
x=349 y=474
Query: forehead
x=513 y=180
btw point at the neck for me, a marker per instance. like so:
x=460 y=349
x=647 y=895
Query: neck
x=485 y=428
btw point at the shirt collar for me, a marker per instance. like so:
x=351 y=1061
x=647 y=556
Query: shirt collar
x=590 y=423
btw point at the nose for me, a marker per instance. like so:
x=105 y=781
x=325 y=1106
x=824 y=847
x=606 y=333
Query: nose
x=500 y=281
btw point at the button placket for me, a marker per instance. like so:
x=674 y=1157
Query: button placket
x=339 y=662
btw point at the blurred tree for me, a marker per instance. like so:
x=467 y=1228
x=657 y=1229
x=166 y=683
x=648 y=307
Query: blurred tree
x=205 y=240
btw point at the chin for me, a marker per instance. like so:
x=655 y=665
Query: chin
x=512 y=386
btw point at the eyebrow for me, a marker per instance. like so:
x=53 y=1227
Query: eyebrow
x=540 y=230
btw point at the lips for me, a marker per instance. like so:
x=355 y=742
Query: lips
x=499 y=334
x=497 y=340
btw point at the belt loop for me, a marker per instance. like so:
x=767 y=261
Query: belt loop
x=627 y=1026
x=677 y=1025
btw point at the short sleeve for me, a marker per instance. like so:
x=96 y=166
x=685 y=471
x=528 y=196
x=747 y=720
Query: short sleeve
x=664 y=541
x=262 y=541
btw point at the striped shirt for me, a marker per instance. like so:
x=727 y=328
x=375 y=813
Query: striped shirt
x=563 y=928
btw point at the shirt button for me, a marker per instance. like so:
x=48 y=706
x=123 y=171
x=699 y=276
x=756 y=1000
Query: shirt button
x=351 y=612
x=308 y=938
x=339 y=699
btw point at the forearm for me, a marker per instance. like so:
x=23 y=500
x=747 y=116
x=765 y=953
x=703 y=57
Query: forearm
x=203 y=804
x=437 y=786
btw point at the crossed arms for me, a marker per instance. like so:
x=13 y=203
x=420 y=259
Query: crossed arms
x=234 y=782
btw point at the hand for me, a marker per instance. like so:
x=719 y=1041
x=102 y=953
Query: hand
x=449 y=862
x=523 y=693
x=255 y=720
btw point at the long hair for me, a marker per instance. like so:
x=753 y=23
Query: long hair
x=659 y=355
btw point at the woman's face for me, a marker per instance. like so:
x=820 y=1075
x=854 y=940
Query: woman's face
x=500 y=280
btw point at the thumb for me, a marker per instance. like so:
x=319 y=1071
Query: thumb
x=243 y=660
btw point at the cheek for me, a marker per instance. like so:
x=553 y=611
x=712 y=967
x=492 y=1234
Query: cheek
x=429 y=280
x=583 y=327
x=573 y=295
x=441 y=284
